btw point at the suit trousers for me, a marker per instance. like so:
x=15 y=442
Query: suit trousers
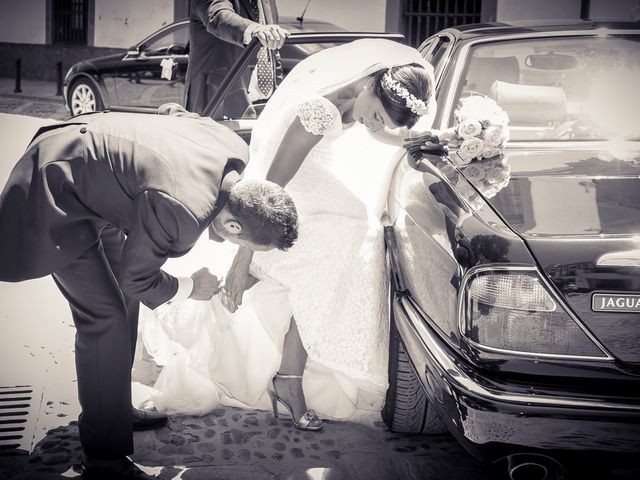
x=106 y=324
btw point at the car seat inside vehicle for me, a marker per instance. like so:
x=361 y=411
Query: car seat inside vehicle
x=483 y=71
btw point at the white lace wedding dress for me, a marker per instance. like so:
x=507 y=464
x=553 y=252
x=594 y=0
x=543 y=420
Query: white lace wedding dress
x=332 y=281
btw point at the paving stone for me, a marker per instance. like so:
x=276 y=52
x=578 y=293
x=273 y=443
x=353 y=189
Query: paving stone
x=206 y=447
x=186 y=449
x=168 y=450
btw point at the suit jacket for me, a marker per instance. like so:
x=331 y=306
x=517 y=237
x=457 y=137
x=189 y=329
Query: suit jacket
x=158 y=178
x=216 y=28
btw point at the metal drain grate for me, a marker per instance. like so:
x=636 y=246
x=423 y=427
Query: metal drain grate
x=17 y=419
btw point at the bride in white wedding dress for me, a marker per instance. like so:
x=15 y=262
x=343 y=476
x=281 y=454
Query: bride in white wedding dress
x=320 y=307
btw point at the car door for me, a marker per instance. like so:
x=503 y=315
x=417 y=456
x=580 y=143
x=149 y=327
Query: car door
x=154 y=72
x=237 y=88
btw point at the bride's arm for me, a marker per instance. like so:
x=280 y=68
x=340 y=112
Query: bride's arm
x=238 y=279
x=294 y=148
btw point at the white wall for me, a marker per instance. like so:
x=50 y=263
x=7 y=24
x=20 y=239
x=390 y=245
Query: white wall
x=122 y=23
x=354 y=15
x=24 y=22
x=508 y=10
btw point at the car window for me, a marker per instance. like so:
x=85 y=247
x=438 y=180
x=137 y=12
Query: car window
x=243 y=100
x=170 y=42
x=564 y=88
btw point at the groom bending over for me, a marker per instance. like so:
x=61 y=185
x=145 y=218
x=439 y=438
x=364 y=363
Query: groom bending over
x=100 y=202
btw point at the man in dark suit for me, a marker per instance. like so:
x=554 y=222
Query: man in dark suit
x=219 y=30
x=100 y=202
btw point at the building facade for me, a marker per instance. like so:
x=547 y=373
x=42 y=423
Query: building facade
x=51 y=35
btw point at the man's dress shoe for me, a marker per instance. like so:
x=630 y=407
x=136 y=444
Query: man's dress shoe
x=118 y=469
x=144 y=419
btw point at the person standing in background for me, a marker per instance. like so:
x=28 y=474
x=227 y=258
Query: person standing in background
x=219 y=31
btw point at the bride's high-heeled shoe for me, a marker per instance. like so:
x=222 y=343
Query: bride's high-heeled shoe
x=308 y=421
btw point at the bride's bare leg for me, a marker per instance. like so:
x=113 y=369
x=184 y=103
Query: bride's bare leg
x=294 y=359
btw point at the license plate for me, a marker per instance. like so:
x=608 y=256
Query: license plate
x=601 y=302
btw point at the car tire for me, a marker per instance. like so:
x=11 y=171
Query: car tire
x=407 y=408
x=84 y=97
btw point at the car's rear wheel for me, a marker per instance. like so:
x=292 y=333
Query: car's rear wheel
x=407 y=408
x=84 y=97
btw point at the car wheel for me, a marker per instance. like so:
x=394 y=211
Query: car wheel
x=84 y=98
x=407 y=408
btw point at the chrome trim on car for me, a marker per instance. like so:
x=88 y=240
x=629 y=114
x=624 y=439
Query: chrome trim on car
x=493 y=267
x=626 y=258
x=457 y=378
x=461 y=61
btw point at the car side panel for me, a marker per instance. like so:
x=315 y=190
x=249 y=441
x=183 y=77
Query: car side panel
x=422 y=230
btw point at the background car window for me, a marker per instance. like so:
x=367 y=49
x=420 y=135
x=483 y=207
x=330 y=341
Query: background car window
x=171 y=42
x=569 y=88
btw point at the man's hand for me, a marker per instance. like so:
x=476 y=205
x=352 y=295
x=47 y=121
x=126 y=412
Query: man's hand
x=205 y=285
x=270 y=36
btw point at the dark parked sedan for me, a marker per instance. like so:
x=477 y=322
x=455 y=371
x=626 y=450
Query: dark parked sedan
x=138 y=79
x=516 y=308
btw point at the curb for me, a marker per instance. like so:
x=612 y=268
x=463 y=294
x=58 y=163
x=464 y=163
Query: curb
x=59 y=99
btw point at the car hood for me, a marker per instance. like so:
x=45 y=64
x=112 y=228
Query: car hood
x=578 y=210
x=106 y=61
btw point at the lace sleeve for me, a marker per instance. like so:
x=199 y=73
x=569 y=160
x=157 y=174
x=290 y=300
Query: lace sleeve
x=317 y=115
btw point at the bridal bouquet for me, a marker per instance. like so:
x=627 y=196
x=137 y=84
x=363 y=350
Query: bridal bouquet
x=489 y=175
x=481 y=132
x=485 y=177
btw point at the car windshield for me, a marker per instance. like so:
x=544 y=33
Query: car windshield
x=563 y=88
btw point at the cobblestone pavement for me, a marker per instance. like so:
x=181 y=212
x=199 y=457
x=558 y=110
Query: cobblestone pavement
x=232 y=443
x=34 y=107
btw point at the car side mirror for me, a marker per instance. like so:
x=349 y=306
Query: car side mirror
x=133 y=52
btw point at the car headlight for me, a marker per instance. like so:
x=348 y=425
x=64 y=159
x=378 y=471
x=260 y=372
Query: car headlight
x=512 y=310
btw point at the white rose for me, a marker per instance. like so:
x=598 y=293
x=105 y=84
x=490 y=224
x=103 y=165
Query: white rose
x=496 y=175
x=490 y=192
x=465 y=190
x=491 y=152
x=469 y=129
x=494 y=136
x=471 y=148
x=474 y=172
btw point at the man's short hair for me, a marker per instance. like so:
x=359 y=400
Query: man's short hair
x=267 y=213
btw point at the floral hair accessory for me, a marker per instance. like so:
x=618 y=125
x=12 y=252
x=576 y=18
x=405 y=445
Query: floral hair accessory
x=413 y=103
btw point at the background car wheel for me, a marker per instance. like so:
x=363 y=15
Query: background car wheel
x=407 y=408
x=84 y=98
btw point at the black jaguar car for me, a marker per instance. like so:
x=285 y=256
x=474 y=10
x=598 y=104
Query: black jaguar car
x=516 y=309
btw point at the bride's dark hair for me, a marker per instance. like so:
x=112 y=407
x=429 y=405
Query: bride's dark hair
x=415 y=79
